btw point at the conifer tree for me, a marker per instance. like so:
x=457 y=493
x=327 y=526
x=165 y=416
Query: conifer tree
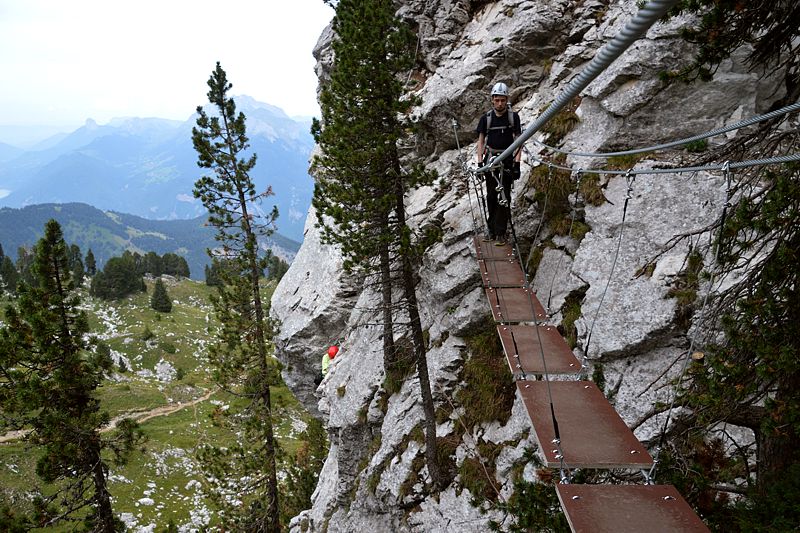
x=276 y=267
x=766 y=31
x=160 y=300
x=49 y=373
x=76 y=265
x=357 y=201
x=748 y=372
x=8 y=275
x=174 y=265
x=119 y=278
x=152 y=264
x=91 y=263
x=361 y=187
x=24 y=264
x=212 y=274
x=243 y=352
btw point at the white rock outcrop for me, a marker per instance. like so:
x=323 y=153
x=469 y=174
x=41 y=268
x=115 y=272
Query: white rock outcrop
x=372 y=479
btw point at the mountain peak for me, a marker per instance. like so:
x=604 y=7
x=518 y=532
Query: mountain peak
x=248 y=102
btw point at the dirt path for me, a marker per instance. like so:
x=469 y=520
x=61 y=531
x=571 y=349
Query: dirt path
x=140 y=416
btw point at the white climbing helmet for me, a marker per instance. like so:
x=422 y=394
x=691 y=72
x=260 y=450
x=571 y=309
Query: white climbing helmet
x=500 y=89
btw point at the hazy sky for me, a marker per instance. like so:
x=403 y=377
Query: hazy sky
x=63 y=61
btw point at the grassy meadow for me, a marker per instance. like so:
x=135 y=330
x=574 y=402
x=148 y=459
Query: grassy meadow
x=164 y=381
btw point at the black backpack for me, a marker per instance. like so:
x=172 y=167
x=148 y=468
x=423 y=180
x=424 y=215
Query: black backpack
x=490 y=114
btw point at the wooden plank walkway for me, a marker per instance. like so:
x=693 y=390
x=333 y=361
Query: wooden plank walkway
x=526 y=346
x=513 y=304
x=486 y=250
x=592 y=433
x=501 y=273
x=627 y=509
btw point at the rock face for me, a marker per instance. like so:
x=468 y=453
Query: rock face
x=373 y=479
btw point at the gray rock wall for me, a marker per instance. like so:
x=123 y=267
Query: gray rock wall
x=537 y=47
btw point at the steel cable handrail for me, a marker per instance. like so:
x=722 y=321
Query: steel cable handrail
x=679 y=170
x=679 y=142
x=633 y=30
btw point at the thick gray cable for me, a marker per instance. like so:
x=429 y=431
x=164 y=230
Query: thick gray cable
x=706 y=135
x=680 y=170
x=633 y=30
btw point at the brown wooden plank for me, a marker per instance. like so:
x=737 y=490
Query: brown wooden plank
x=487 y=250
x=526 y=345
x=627 y=509
x=511 y=304
x=592 y=433
x=506 y=273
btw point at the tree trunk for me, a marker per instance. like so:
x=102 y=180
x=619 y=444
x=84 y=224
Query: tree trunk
x=272 y=524
x=420 y=355
x=417 y=338
x=389 y=353
x=102 y=498
x=272 y=519
x=776 y=450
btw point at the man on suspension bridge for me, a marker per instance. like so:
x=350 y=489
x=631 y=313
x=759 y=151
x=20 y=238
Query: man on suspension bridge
x=496 y=131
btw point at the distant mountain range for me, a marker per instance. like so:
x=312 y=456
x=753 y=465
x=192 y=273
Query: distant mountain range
x=109 y=233
x=147 y=167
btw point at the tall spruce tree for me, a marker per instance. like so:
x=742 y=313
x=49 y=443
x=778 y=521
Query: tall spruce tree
x=361 y=187
x=242 y=355
x=160 y=300
x=91 y=263
x=49 y=373
x=351 y=188
x=76 y=265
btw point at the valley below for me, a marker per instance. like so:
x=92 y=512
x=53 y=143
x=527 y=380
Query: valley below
x=162 y=379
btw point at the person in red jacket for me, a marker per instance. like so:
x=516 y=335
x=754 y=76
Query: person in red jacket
x=326 y=361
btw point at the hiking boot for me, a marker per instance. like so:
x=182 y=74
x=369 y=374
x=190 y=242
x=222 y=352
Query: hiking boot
x=501 y=241
x=488 y=237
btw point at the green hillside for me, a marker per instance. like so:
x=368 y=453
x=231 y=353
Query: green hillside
x=108 y=233
x=167 y=387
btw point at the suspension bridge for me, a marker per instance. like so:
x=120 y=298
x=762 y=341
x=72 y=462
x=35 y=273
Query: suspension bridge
x=574 y=424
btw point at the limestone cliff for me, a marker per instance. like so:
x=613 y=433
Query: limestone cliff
x=373 y=478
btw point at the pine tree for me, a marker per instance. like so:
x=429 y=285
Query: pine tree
x=357 y=201
x=243 y=352
x=24 y=265
x=121 y=276
x=276 y=267
x=361 y=187
x=767 y=31
x=76 y=265
x=160 y=300
x=749 y=372
x=8 y=275
x=152 y=264
x=91 y=263
x=50 y=373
